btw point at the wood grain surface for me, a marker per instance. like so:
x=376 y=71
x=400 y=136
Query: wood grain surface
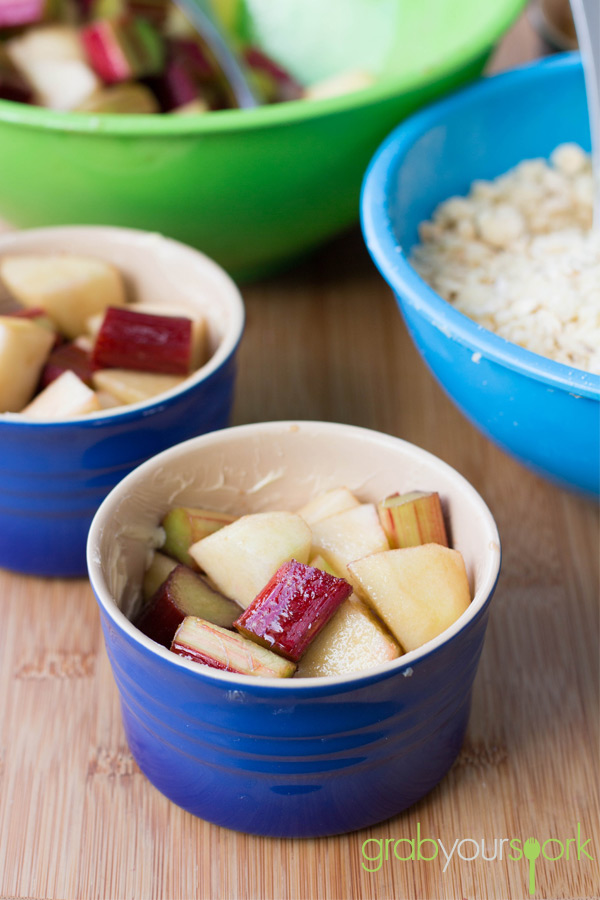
x=78 y=820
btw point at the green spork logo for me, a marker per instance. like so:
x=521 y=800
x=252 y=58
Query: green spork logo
x=376 y=852
x=531 y=851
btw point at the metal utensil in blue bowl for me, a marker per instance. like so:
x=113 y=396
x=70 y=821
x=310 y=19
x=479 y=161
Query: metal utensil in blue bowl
x=543 y=412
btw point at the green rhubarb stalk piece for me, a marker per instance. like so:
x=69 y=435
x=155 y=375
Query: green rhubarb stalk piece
x=184 y=593
x=185 y=525
x=157 y=573
x=218 y=648
x=410 y=520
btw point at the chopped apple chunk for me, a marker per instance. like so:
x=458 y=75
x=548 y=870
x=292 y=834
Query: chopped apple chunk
x=417 y=591
x=69 y=288
x=186 y=525
x=352 y=641
x=347 y=536
x=53 y=60
x=134 y=387
x=218 y=648
x=292 y=608
x=242 y=557
x=184 y=593
x=412 y=519
x=328 y=504
x=24 y=348
x=65 y=397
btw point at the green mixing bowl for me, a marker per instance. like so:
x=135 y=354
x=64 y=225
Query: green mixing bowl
x=251 y=188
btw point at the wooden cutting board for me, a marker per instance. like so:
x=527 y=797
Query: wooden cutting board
x=79 y=821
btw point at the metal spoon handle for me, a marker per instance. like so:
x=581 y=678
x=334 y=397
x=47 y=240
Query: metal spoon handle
x=586 y=14
x=223 y=51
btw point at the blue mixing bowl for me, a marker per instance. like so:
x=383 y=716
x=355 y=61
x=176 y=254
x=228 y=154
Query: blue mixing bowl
x=53 y=476
x=544 y=413
x=294 y=757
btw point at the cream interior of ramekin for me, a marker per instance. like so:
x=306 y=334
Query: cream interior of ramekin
x=158 y=272
x=277 y=466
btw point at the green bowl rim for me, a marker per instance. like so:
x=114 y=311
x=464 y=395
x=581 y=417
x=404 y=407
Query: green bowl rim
x=278 y=114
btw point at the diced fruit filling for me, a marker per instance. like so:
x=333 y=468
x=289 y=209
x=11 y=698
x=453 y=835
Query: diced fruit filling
x=133 y=56
x=239 y=594
x=74 y=319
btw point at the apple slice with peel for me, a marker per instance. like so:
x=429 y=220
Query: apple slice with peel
x=157 y=573
x=292 y=608
x=69 y=288
x=352 y=641
x=347 y=536
x=218 y=648
x=186 y=525
x=184 y=593
x=412 y=519
x=417 y=591
x=38 y=317
x=328 y=504
x=134 y=387
x=242 y=557
x=65 y=397
x=24 y=348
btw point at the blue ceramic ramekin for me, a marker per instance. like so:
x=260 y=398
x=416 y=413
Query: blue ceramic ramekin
x=543 y=412
x=53 y=476
x=294 y=757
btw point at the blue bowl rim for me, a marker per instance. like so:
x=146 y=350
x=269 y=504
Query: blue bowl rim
x=308 y=686
x=133 y=411
x=392 y=262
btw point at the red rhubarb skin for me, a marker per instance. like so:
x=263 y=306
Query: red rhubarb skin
x=175 y=87
x=143 y=342
x=286 y=87
x=68 y=358
x=161 y=618
x=293 y=608
x=105 y=53
x=14 y=13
